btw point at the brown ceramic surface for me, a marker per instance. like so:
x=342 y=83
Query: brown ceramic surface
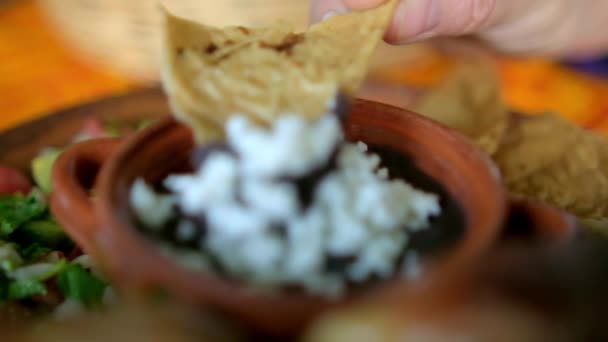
x=104 y=226
x=20 y=144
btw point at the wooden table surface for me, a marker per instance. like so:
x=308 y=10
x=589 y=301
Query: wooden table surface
x=39 y=74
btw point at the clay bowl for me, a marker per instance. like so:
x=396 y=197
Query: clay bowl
x=539 y=223
x=103 y=224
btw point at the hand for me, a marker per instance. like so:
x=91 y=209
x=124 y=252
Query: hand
x=554 y=27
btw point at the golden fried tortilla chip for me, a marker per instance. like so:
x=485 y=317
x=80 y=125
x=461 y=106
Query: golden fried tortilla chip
x=550 y=159
x=545 y=158
x=470 y=101
x=211 y=74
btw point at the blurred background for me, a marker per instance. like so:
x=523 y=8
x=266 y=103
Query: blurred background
x=59 y=53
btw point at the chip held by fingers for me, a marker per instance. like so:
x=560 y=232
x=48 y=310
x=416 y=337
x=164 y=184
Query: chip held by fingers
x=213 y=73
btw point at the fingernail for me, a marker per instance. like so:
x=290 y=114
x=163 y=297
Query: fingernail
x=329 y=14
x=422 y=36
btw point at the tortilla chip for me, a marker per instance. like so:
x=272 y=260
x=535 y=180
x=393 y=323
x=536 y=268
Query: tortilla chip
x=470 y=101
x=550 y=159
x=211 y=74
x=545 y=158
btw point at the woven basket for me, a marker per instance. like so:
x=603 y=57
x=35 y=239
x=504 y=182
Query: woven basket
x=123 y=35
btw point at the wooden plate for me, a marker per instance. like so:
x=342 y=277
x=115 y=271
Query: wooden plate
x=20 y=144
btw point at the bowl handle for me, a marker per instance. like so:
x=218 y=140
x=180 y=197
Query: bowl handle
x=74 y=174
x=539 y=221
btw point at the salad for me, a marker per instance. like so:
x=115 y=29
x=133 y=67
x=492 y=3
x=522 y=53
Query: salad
x=41 y=270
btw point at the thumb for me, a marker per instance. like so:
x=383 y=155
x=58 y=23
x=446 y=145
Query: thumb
x=419 y=19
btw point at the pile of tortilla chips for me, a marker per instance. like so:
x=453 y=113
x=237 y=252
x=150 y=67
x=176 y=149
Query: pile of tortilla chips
x=470 y=102
x=211 y=74
x=541 y=157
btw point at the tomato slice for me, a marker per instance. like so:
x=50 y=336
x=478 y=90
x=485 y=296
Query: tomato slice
x=12 y=181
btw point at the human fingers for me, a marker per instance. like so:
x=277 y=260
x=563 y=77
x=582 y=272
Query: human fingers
x=418 y=19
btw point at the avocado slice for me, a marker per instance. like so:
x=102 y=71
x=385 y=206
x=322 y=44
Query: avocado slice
x=42 y=167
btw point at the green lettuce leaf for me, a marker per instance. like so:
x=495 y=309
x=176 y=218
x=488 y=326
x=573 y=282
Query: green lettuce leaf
x=16 y=210
x=77 y=283
x=20 y=289
x=34 y=251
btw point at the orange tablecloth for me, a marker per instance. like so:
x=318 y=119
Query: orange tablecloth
x=530 y=86
x=38 y=75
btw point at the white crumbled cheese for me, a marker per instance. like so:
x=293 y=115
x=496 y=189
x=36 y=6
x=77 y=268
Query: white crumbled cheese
x=347 y=234
x=352 y=160
x=305 y=235
x=262 y=254
x=214 y=182
x=264 y=153
x=234 y=222
x=260 y=233
x=382 y=173
x=377 y=256
x=153 y=209
x=271 y=199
